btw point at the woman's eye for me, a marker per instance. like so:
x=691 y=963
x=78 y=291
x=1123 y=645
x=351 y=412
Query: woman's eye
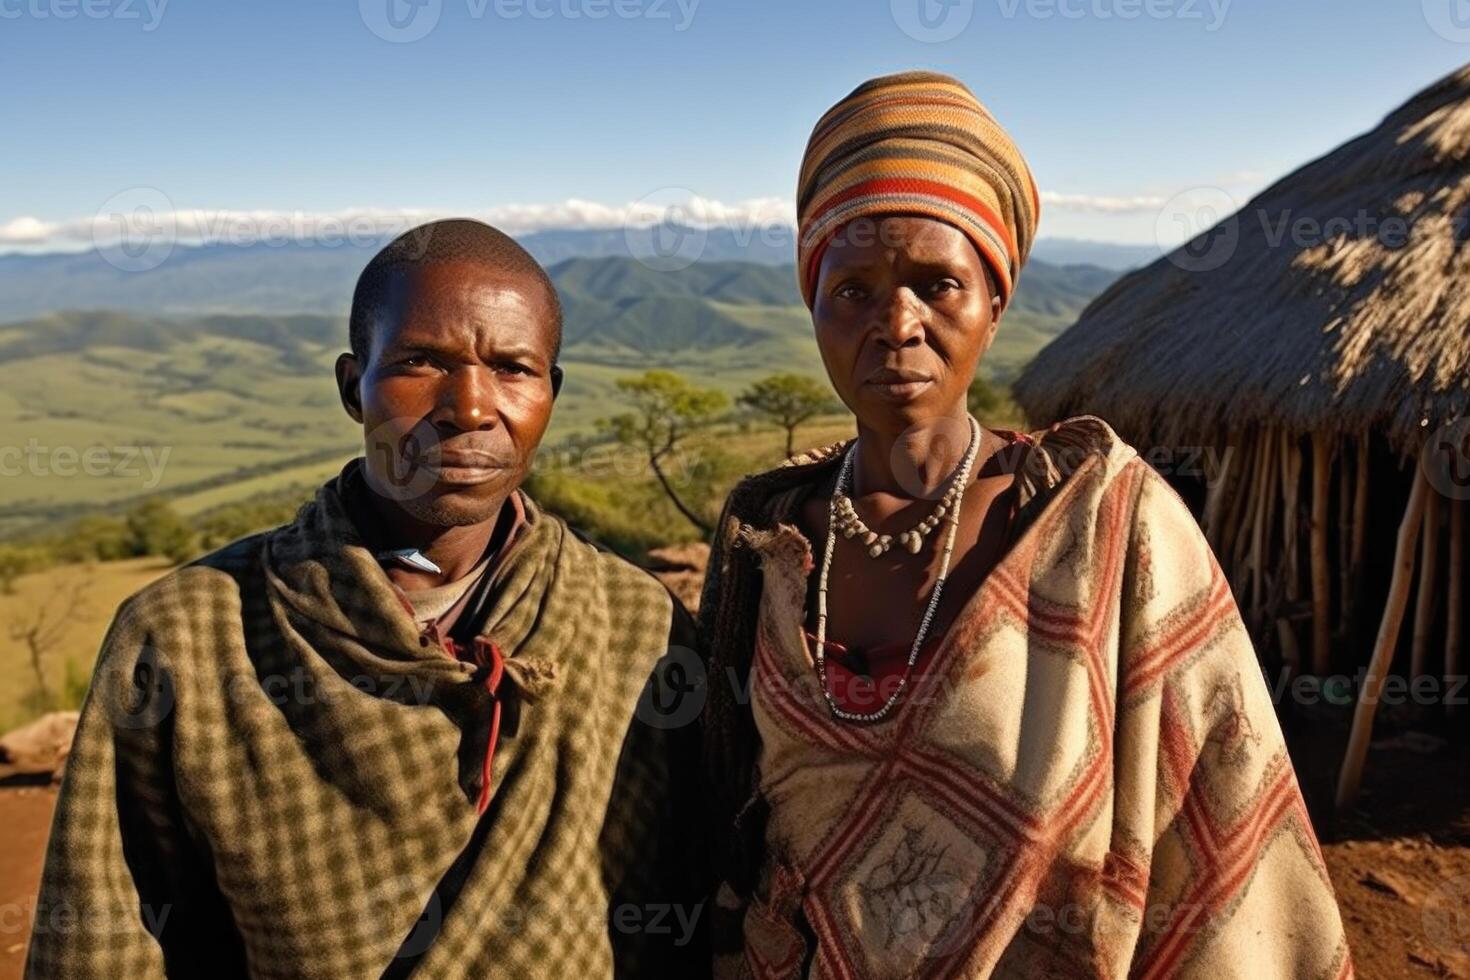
x=943 y=286
x=849 y=291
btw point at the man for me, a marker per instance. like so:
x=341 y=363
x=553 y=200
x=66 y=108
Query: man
x=409 y=731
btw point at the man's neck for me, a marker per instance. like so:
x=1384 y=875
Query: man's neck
x=455 y=550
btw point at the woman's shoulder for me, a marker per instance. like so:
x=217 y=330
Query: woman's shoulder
x=1081 y=449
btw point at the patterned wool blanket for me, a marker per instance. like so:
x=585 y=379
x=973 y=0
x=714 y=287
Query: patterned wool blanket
x=274 y=771
x=1089 y=781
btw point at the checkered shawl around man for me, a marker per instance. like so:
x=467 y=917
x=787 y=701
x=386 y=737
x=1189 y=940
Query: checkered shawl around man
x=274 y=771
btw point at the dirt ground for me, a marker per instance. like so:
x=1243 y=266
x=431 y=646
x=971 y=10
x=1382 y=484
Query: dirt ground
x=25 y=815
x=1400 y=862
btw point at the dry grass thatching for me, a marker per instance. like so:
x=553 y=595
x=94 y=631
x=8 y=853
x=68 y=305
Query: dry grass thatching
x=1363 y=326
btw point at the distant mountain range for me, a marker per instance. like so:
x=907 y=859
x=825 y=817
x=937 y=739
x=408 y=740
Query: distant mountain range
x=220 y=360
x=617 y=309
x=307 y=278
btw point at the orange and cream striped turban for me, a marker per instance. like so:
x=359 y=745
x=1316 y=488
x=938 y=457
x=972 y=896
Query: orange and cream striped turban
x=916 y=143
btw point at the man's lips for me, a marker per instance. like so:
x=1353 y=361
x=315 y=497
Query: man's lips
x=463 y=466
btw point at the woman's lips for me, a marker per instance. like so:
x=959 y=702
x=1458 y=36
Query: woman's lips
x=897 y=385
x=901 y=391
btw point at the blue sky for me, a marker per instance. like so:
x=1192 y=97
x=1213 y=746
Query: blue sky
x=299 y=107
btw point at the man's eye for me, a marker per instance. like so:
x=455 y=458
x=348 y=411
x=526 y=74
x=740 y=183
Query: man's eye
x=943 y=286
x=414 y=360
x=510 y=367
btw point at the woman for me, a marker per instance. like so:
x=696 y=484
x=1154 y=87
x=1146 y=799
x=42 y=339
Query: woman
x=985 y=705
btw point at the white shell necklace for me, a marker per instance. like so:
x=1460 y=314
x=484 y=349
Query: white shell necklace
x=951 y=517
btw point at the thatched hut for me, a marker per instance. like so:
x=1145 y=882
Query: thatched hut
x=1319 y=340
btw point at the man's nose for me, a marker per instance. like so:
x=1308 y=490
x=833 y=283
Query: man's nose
x=467 y=400
x=901 y=321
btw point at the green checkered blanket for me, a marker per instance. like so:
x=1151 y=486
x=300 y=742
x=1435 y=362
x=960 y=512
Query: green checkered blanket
x=274 y=771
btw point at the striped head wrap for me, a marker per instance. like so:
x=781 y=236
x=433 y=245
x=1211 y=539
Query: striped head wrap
x=916 y=143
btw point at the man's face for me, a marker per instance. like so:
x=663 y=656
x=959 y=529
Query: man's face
x=456 y=391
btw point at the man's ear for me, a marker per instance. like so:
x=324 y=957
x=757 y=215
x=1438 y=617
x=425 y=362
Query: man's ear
x=349 y=385
x=556 y=379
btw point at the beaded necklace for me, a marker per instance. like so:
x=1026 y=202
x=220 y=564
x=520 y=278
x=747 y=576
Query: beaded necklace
x=952 y=517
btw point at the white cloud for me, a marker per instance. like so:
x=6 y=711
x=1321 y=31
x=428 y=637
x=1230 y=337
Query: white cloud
x=147 y=213
x=1100 y=204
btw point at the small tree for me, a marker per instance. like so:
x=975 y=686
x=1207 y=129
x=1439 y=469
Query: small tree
x=984 y=398
x=93 y=537
x=667 y=408
x=155 y=528
x=41 y=626
x=16 y=561
x=788 y=400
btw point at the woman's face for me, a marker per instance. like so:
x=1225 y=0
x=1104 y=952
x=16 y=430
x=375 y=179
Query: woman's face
x=903 y=313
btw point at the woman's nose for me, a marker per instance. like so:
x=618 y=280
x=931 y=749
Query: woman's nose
x=902 y=323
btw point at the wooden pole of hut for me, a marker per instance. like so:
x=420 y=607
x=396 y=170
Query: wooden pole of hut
x=1454 y=630
x=1216 y=496
x=1265 y=517
x=1291 y=481
x=1239 y=552
x=1424 y=601
x=1239 y=499
x=1344 y=534
x=1291 y=486
x=1321 y=571
x=1360 y=531
x=1351 y=776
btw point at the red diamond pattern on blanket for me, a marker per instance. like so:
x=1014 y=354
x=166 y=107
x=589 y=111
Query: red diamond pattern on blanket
x=1088 y=781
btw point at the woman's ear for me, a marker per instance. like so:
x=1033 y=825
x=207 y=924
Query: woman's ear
x=349 y=385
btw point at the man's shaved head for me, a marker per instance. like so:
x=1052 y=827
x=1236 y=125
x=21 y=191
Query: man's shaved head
x=452 y=240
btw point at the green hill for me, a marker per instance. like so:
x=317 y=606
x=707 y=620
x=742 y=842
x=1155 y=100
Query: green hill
x=230 y=405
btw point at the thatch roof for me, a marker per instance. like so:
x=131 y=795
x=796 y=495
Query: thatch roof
x=1363 y=326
